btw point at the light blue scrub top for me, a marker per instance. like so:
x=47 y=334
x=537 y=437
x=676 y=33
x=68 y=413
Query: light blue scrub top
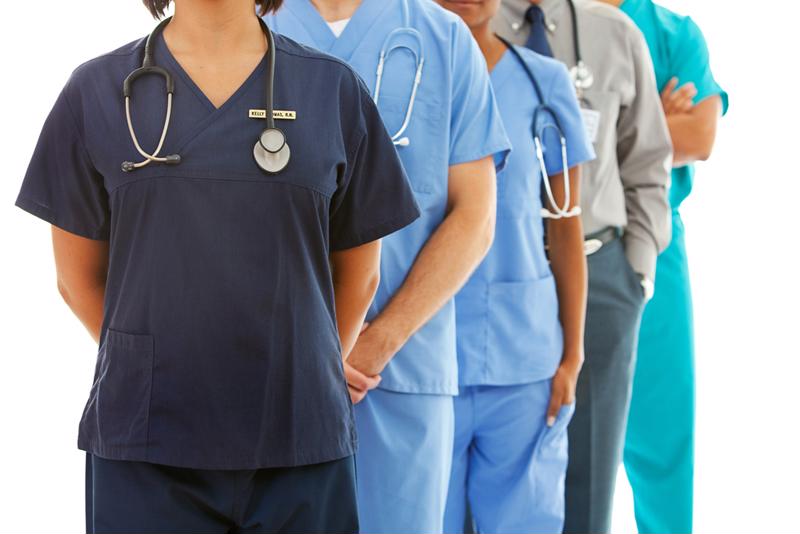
x=507 y=314
x=455 y=121
x=678 y=49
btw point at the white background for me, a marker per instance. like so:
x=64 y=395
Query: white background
x=742 y=233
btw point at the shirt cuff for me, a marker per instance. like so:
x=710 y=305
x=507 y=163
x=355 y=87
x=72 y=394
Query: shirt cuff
x=642 y=255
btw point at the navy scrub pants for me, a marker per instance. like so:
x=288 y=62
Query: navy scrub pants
x=597 y=430
x=142 y=497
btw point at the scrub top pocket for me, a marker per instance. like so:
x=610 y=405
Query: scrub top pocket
x=121 y=392
x=426 y=174
x=523 y=319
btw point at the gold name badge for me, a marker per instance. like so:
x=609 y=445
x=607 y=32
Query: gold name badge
x=276 y=114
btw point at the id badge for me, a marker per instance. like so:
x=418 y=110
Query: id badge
x=591 y=121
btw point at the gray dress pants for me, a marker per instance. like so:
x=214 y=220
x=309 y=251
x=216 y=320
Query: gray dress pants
x=597 y=430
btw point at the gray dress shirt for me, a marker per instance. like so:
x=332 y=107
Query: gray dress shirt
x=626 y=185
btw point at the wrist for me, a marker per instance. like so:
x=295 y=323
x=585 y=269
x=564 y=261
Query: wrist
x=390 y=338
x=572 y=360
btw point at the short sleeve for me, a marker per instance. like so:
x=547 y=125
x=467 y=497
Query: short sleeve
x=562 y=100
x=374 y=198
x=692 y=63
x=61 y=185
x=476 y=129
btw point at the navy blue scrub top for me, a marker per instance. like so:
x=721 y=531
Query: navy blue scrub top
x=219 y=347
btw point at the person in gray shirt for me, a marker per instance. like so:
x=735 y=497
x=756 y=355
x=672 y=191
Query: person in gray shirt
x=626 y=216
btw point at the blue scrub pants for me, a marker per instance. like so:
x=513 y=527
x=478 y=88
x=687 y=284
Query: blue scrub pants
x=597 y=431
x=403 y=461
x=508 y=466
x=127 y=497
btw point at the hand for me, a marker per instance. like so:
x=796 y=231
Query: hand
x=373 y=350
x=562 y=389
x=358 y=384
x=678 y=101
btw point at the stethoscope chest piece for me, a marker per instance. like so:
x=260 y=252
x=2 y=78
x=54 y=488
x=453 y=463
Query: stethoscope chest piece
x=271 y=151
x=582 y=76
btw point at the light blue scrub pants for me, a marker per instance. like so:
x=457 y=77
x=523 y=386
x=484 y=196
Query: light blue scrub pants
x=403 y=461
x=507 y=464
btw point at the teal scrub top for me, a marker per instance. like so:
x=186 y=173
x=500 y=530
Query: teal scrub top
x=455 y=120
x=508 y=324
x=678 y=49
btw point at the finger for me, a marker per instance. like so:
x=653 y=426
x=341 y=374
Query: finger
x=671 y=85
x=355 y=378
x=373 y=381
x=678 y=98
x=360 y=380
x=688 y=90
x=685 y=104
x=356 y=396
x=689 y=87
x=553 y=408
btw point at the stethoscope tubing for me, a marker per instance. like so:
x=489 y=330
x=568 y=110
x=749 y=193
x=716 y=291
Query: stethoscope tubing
x=419 y=59
x=558 y=212
x=276 y=140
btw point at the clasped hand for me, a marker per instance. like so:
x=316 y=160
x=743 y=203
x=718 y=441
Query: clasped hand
x=365 y=363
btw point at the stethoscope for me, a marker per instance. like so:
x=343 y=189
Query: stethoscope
x=542 y=110
x=419 y=60
x=581 y=74
x=271 y=151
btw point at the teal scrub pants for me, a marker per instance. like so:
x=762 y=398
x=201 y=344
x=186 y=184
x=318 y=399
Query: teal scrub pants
x=659 y=444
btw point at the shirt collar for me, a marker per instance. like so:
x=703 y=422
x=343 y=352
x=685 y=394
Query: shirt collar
x=554 y=11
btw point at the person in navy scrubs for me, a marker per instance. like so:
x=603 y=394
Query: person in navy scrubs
x=223 y=298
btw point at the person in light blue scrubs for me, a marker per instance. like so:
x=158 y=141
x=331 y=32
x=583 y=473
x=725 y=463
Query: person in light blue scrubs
x=520 y=317
x=659 y=442
x=447 y=129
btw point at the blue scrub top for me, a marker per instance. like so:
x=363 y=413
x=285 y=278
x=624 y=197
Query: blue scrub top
x=678 y=49
x=508 y=325
x=455 y=121
x=219 y=346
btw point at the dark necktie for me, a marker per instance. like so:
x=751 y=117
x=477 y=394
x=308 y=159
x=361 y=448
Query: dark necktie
x=537 y=40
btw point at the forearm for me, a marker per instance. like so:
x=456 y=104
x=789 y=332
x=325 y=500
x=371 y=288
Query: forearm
x=82 y=271
x=356 y=273
x=568 y=263
x=648 y=229
x=693 y=133
x=442 y=267
x=691 y=141
x=352 y=303
x=87 y=305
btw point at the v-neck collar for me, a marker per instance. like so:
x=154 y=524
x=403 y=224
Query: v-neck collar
x=346 y=44
x=165 y=57
x=502 y=69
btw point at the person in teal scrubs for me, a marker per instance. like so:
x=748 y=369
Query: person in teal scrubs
x=659 y=444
